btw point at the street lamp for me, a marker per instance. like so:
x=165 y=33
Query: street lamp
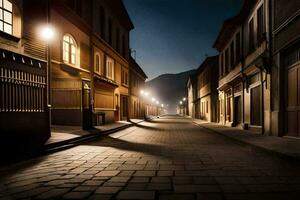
x=180 y=102
x=184 y=99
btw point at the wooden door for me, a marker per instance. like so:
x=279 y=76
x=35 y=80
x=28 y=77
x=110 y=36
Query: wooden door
x=255 y=112
x=293 y=101
x=238 y=110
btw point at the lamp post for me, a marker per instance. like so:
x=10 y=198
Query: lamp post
x=47 y=34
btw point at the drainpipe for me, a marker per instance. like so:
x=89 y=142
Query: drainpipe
x=262 y=103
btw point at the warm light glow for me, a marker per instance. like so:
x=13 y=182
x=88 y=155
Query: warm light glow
x=47 y=33
x=153 y=99
x=184 y=99
x=162 y=105
x=142 y=92
x=146 y=94
x=180 y=102
x=157 y=102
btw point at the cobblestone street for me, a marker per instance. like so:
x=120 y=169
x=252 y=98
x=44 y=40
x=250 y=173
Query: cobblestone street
x=168 y=158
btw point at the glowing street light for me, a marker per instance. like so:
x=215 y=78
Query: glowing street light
x=142 y=92
x=184 y=99
x=47 y=33
x=162 y=105
x=180 y=102
x=153 y=99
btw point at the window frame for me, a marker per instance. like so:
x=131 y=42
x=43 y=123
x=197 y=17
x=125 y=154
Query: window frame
x=2 y=15
x=107 y=65
x=69 y=52
x=97 y=54
x=124 y=76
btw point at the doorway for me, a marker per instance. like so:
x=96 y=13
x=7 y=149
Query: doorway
x=237 y=110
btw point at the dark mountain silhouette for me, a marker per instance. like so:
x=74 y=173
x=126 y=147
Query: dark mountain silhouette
x=170 y=88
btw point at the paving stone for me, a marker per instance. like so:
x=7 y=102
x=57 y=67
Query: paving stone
x=209 y=196
x=145 y=173
x=136 y=195
x=140 y=180
x=108 y=173
x=76 y=195
x=100 y=197
x=119 y=179
x=52 y=193
x=85 y=188
x=159 y=186
x=107 y=190
x=176 y=197
x=164 y=173
x=196 y=188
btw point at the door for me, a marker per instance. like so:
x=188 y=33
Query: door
x=238 y=110
x=86 y=106
x=293 y=101
x=124 y=107
x=256 y=106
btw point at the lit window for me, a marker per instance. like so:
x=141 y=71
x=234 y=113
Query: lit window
x=97 y=63
x=69 y=50
x=110 y=65
x=6 y=16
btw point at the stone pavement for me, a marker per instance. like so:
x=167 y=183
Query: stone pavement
x=62 y=133
x=168 y=158
x=283 y=146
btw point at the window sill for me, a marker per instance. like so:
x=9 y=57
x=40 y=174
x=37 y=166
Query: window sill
x=124 y=85
x=74 y=67
x=9 y=37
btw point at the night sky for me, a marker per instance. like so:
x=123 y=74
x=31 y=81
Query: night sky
x=172 y=36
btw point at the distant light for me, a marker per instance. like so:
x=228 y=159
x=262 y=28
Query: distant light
x=184 y=99
x=146 y=94
x=157 y=102
x=162 y=105
x=142 y=92
x=47 y=33
x=180 y=102
x=153 y=99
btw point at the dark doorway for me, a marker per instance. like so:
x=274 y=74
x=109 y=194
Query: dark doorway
x=86 y=106
x=238 y=110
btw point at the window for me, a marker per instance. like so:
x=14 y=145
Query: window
x=260 y=24
x=221 y=65
x=251 y=36
x=69 y=50
x=232 y=62
x=110 y=65
x=123 y=46
x=102 y=22
x=6 y=16
x=110 y=31
x=118 y=40
x=238 y=47
x=124 y=77
x=97 y=64
x=226 y=60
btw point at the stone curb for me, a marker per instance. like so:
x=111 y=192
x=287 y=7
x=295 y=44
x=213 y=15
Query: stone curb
x=283 y=155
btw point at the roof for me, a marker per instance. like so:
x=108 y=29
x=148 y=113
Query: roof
x=230 y=25
x=135 y=66
x=209 y=61
x=119 y=8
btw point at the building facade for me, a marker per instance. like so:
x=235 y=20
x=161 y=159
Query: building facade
x=244 y=83
x=110 y=77
x=136 y=84
x=206 y=93
x=23 y=74
x=285 y=73
x=192 y=94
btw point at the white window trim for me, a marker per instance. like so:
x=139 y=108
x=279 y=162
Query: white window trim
x=110 y=60
x=2 y=17
x=77 y=52
x=95 y=62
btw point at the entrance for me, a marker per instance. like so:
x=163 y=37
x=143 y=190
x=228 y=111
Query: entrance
x=293 y=101
x=124 y=107
x=238 y=110
x=86 y=106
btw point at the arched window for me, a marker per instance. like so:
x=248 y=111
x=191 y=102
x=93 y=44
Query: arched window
x=6 y=16
x=98 y=63
x=69 y=49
